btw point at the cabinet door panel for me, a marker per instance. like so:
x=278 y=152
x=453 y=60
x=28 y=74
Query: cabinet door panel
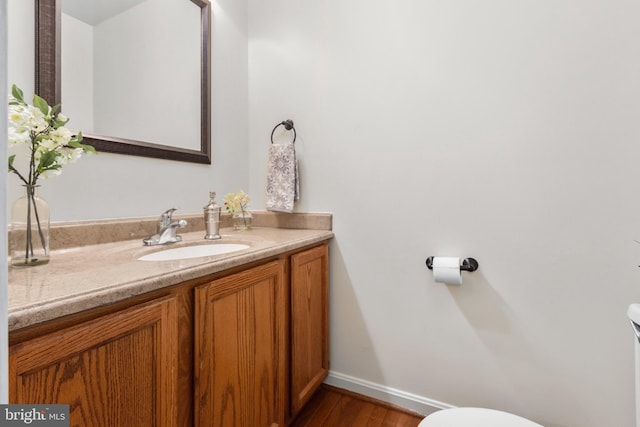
x=240 y=349
x=119 y=369
x=309 y=324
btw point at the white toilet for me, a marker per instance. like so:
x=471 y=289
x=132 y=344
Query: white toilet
x=475 y=417
x=634 y=315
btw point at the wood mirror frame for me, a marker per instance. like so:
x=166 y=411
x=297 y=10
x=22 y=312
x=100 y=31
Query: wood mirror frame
x=48 y=23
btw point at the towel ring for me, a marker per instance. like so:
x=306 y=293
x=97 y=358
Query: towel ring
x=288 y=125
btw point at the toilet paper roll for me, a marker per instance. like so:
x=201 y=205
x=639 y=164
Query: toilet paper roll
x=447 y=270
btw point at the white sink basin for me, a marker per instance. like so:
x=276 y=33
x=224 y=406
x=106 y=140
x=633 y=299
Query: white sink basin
x=197 y=251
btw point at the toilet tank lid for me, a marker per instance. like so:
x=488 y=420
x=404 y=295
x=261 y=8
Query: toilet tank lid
x=634 y=313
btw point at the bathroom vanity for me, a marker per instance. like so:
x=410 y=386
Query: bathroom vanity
x=239 y=339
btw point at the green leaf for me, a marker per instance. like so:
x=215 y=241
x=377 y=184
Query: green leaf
x=41 y=104
x=59 y=121
x=11 y=159
x=52 y=167
x=86 y=148
x=17 y=93
x=48 y=161
x=75 y=143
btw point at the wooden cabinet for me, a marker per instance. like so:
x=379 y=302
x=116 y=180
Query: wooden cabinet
x=246 y=348
x=240 y=343
x=309 y=324
x=116 y=370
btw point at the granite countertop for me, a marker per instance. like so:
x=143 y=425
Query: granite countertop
x=81 y=278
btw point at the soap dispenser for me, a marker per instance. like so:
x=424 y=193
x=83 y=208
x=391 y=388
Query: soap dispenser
x=212 y=218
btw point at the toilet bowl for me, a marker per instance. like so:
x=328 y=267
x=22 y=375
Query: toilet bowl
x=475 y=417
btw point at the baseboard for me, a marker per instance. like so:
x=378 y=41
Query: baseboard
x=410 y=401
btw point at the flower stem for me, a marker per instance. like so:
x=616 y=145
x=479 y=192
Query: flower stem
x=29 y=243
x=244 y=218
x=35 y=211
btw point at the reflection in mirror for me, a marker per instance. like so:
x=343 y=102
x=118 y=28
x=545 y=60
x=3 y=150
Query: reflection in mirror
x=132 y=74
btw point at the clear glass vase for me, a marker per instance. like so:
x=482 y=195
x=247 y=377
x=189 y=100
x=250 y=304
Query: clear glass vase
x=29 y=230
x=242 y=220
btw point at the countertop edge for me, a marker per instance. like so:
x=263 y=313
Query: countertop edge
x=36 y=313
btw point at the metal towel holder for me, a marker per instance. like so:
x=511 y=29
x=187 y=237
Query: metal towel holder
x=288 y=125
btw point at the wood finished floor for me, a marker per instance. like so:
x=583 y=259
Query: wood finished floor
x=333 y=407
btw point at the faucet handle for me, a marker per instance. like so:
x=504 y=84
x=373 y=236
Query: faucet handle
x=165 y=218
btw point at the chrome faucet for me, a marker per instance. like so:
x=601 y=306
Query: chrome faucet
x=166 y=231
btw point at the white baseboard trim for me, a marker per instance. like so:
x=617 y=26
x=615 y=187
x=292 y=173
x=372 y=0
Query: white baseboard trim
x=403 y=399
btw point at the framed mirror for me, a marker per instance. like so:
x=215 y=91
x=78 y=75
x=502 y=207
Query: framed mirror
x=141 y=90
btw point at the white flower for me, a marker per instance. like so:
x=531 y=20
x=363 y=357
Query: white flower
x=237 y=201
x=76 y=154
x=61 y=136
x=49 y=173
x=14 y=137
x=42 y=136
x=17 y=116
x=26 y=118
x=69 y=155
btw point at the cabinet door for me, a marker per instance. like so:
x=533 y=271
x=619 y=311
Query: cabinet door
x=309 y=324
x=240 y=349
x=117 y=370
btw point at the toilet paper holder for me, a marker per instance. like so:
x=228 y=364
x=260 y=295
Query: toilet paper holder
x=468 y=264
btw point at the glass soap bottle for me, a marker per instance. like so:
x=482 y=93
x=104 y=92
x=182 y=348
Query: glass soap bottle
x=212 y=218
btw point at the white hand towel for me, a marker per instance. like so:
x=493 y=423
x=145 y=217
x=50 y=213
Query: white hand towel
x=282 y=178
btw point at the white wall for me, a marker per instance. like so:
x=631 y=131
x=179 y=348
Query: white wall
x=113 y=186
x=503 y=130
x=4 y=335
